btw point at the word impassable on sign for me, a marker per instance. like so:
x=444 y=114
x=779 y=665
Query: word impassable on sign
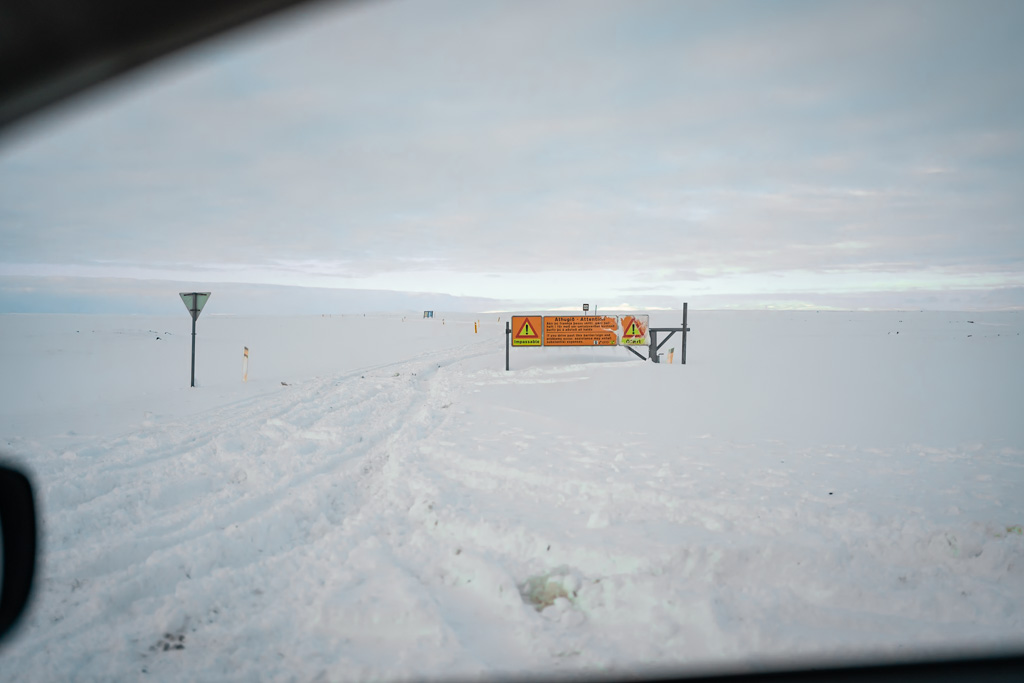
x=580 y=330
x=526 y=330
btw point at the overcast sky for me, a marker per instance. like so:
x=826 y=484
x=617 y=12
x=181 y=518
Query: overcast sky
x=531 y=155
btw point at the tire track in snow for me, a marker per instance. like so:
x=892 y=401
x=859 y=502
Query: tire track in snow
x=231 y=489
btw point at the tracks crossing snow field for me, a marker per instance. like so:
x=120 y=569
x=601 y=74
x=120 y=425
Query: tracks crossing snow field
x=436 y=516
x=228 y=491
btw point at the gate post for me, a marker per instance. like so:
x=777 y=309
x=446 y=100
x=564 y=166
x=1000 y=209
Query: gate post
x=685 y=330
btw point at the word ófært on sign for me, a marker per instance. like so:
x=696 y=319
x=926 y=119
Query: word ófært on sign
x=634 y=330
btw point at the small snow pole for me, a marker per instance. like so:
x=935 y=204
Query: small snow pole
x=474 y=327
x=671 y=354
x=245 y=364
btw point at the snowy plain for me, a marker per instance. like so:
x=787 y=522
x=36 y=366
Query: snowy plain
x=381 y=500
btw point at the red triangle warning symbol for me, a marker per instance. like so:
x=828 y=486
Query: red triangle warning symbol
x=633 y=331
x=526 y=330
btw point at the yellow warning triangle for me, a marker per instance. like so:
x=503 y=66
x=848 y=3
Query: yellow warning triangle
x=633 y=330
x=526 y=331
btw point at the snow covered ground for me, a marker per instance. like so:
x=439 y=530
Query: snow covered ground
x=382 y=500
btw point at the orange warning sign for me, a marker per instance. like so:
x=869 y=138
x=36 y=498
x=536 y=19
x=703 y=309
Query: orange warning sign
x=580 y=330
x=634 y=330
x=526 y=330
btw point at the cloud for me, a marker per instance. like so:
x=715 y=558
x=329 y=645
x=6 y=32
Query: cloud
x=380 y=144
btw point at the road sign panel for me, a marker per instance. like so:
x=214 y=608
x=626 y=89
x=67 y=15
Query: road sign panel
x=634 y=330
x=194 y=302
x=526 y=330
x=580 y=330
